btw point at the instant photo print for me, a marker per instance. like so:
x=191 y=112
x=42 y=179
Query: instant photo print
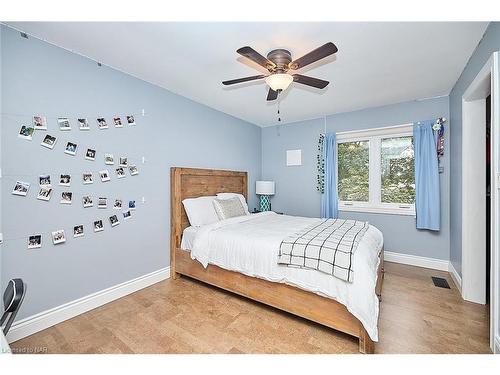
x=58 y=237
x=64 y=124
x=87 y=201
x=35 y=241
x=26 y=132
x=44 y=193
x=65 y=180
x=83 y=124
x=21 y=188
x=49 y=141
x=98 y=226
x=39 y=122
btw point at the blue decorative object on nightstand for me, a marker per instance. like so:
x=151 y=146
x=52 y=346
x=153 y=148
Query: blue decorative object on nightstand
x=265 y=203
x=265 y=189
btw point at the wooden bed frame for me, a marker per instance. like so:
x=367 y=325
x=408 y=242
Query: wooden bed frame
x=191 y=183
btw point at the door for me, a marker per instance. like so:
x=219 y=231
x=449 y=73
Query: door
x=495 y=206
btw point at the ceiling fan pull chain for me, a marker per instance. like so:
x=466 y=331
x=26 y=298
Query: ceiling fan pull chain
x=279 y=102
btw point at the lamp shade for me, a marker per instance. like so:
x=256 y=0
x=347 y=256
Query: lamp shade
x=279 y=81
x=264 y=187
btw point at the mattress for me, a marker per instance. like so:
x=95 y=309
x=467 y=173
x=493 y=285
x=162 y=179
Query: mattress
x=250 y=245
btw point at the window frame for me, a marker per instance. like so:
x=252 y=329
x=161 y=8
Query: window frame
x=374 y=137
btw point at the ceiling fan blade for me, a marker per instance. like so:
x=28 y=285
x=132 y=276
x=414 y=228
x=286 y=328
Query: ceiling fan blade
x=310 y=81
x=246 y=79
x=272 y=95
x=253 y=55
x=313 y=56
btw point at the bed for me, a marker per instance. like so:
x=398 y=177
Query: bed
x=318 y=297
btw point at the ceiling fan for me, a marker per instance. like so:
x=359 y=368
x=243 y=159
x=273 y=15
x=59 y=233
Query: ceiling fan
x=279 y=63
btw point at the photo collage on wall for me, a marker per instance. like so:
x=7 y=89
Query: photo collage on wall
x=46 y=182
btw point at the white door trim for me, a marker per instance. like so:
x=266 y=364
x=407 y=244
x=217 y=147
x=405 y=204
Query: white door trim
x=495 y=206
x=474 y=194
x=473 y=200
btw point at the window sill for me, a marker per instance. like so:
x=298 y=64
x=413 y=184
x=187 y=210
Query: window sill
x=379 y=210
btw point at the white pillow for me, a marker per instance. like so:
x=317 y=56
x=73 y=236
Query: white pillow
x=227 y=208
x=200 y=211
x=232 y=195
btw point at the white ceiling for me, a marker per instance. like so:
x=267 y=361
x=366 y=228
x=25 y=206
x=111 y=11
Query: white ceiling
x=377 y=63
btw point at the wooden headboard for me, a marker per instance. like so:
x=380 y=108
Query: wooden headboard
x=195 y=182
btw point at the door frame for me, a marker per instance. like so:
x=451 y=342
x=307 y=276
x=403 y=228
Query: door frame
x=474 y=195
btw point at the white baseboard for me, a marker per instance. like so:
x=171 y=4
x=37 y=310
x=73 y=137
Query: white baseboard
x=414 y=260
x=455 y=277
x=48 y=318
x=496 y=345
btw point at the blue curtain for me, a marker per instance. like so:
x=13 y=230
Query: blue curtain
x=329 y=200
x=427 y=200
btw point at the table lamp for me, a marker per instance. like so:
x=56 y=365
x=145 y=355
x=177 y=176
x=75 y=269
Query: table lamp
x=265 y=189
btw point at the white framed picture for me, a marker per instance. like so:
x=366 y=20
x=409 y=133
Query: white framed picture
x=131 y=120
x=83 y=124
x=78 y=231
x=104 y=174
x=21 y=188
x=120 y=172
x=58 y=237
x=26 y=132
x=49 y=141
x=44 y=193
x=71 y=148
x=113 y=220
x=44 y=180
x=98 y=226
x=101 y=122
x=88 y=178
x=133 y=169
x=90 y=154
x=87 y=201
x=293 y=158
x=109 y=159
x=118 y=204
x=66 y=197
x=64 y=123
x=65 y=180
x=118 y=122
x=102 y=202
x=39 y=122
x=35 y=241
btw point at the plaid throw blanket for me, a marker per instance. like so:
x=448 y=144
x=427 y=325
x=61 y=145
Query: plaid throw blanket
x=327 y=247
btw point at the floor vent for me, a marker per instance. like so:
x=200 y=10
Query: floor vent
x=440 y=282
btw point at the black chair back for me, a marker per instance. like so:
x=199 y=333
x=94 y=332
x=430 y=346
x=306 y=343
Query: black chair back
x=12 y=299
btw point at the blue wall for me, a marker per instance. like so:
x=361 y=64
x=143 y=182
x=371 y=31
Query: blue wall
x=489 y=44
x=296 y=186
x=41 y=78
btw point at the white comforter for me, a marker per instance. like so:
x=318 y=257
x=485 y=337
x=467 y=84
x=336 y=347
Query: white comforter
x=250 y=245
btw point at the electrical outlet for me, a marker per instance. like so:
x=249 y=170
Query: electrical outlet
x=143 y=160
x=143 y=200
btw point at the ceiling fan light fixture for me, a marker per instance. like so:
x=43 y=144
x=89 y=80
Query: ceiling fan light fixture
x=279 y=81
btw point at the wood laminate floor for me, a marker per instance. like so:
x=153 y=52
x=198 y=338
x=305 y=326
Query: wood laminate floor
x=186 y=316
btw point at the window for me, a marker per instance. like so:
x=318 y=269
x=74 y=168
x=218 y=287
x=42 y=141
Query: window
x=375 y=170
x=354 y=171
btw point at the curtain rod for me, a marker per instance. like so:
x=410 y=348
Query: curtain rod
x=375 y=129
